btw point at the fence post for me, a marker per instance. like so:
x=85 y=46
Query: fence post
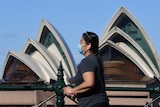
x=58 y=86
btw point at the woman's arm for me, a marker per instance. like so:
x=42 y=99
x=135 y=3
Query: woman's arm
x=87 y=84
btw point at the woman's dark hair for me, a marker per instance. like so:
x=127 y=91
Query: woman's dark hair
x=92 y=38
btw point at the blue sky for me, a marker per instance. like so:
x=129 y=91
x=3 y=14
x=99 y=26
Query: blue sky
x=20 y=20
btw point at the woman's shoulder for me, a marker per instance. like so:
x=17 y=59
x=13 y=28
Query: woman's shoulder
x=91 y=56
x=90 y=59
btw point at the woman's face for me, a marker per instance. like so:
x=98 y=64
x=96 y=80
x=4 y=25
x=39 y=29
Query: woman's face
x=83 y=44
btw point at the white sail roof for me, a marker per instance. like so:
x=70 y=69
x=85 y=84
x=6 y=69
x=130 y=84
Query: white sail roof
x=116 y=32
x=44 y=60
x=115 y=20
x=60 y=45
x=29 y=62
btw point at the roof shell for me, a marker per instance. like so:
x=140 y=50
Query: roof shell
x=66 y=54
x=44 y=61
x=116 y=32
x=132 y=56
x=145 y=43
x=28 y=61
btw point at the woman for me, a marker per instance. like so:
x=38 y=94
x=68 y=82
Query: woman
x=89 y=79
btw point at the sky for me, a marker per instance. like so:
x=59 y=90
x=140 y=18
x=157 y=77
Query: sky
x=20 y=20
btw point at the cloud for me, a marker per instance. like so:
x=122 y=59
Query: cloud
x=8 y=34
x=13 y=34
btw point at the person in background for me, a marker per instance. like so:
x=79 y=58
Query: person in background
x=89 y=80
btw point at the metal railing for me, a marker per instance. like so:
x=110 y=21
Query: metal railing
x=58 y=88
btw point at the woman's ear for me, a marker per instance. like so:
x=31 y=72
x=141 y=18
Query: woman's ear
x=89 y=46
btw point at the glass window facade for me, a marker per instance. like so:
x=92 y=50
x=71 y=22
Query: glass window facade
x=16 y=72
x=118 y=67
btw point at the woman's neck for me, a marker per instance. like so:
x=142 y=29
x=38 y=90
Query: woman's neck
x=88 y=53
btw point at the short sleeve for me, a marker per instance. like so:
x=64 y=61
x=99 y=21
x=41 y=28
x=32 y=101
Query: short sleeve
x=87 y=65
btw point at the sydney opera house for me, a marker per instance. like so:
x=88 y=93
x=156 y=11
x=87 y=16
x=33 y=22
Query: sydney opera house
x=129 y=58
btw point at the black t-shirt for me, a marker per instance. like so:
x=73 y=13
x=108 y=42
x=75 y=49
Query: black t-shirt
x=97 y=93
